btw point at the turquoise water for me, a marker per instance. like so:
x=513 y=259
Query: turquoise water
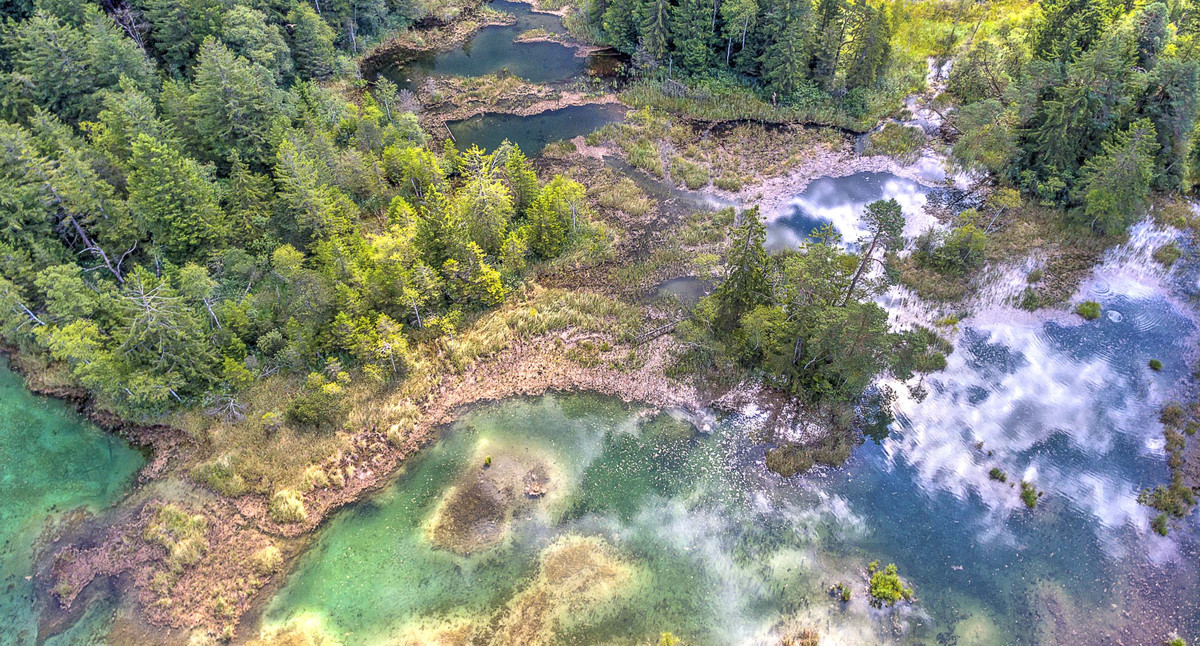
x=718 y=551
x=51 y=463
x=533 y=132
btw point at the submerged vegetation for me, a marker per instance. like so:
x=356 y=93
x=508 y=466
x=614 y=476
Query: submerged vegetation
x=210 y=220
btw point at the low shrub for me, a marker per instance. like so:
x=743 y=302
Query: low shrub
x=1089 y=310
x=1029 y=494
x=886 y=588
x=1167 y=254
x=998 y=474
x=1156 y=365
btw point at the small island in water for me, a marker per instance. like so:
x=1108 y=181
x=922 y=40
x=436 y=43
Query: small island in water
x=612 y=322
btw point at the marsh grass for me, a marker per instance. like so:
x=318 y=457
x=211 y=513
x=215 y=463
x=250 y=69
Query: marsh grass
x=181 y=533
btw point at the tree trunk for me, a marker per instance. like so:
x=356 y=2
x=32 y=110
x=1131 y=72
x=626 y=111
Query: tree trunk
x=862 y=265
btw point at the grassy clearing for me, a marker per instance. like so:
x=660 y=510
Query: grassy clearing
x=546 y=311
x=624 y=195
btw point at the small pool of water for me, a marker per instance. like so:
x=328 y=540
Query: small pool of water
x=840 y=201
x=533 y=132
x=688 y=290
x=492 y=50
x=51 y=463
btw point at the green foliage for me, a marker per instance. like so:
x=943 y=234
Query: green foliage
x=174 y=237
x=745 y=284
x=1156 y=365
x=886 y=588
x=321 y=405
x=1168 y=254
x=998 y=474
x=1089 y=310
x=1030 y=494
x=956 y=252
x=897 y=140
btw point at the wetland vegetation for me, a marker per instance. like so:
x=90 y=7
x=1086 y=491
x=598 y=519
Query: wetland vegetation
x=599 y=321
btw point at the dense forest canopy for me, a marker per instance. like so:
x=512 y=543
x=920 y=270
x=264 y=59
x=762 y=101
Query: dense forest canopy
x=185 y=213
x=196 y=193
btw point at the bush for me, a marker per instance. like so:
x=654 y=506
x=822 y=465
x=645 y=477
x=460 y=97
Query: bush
x=266 y=560
x=998 y=474
x=954 y=252
x=221 y=476
x=902 y=142
x=645 y=156
x=1035 y=276
x=319 y=407
x=729 y=182
x=1030 y=300
x=1029 y=494
x=886 y=586
x=1089 y=310
x=287 y=507
x=693 y=175
x=1167 y=254
x=1156 y=365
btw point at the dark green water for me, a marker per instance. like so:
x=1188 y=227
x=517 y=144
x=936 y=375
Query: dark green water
x=533 y=132
x=492 y=51
x=51 y=463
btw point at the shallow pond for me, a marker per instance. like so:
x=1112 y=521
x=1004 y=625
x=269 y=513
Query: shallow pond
x=533 y=132
x=840 y=201
x=53 y=463
x=640 y=524
x=492 y=50
x=688 y=290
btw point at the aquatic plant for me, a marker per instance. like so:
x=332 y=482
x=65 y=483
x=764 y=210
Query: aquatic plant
x=998 y=474
x=886 y=588
x=1176 y=640
x=1156 y=365
x=1089 y=310
x=1177 y=498
x=841 y=591
x=1034 y=276
x=1029 y=494
x=1030 y=301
